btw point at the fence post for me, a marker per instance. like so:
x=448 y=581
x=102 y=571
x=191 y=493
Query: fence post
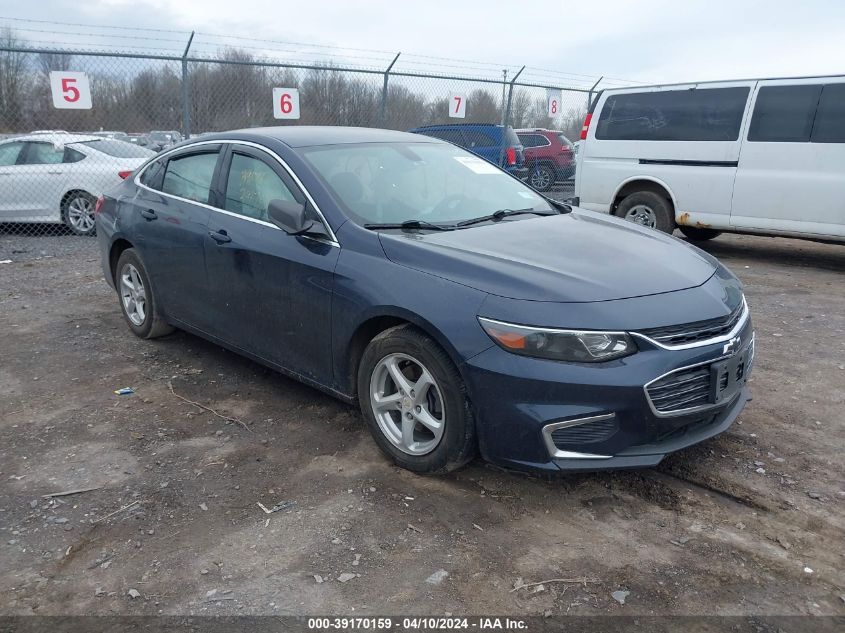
x=507 y=116
x=186 y=92
x=504 y=85
x=384 y=91
x=590 y=93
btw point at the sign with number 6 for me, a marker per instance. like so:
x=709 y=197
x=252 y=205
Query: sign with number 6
x=71 y=91
x=285 y=103
x=457 y=106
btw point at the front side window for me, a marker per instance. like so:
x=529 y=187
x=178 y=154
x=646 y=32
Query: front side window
x=190 y=176
x=394 y=182
x=691 y=114
x=9 y=153
x=251 y=185
x=829 y=125
x=44 y=154
x=784 y=114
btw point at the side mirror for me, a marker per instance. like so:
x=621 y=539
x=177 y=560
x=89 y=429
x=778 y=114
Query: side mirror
x=289 y=216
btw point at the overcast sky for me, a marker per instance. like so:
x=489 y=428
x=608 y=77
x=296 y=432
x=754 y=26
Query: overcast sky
x=645 y=40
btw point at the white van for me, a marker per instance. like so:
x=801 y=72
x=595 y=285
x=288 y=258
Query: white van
x=757 y=156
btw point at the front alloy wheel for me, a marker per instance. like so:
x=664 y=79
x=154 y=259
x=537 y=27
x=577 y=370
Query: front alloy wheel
x=407 y=404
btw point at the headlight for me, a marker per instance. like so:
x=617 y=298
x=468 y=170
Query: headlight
x=579 y=346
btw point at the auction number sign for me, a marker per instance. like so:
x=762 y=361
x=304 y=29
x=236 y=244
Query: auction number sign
x=71 y=90
x=285 y=103
x=457 y=106
x=554 y=104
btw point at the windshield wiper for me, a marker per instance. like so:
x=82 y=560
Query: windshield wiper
x=411 y=224
x=503 y=213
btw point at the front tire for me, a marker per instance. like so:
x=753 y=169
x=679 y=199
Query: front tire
x=542 y=177
x=697 y=234
x=647 y=209
x=414 y=402
x=138 y=300
x=78 y=212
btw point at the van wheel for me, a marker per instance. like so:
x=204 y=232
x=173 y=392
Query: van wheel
x=647 y=209
x=697 y=234
x=414 y=402
x=542 y=177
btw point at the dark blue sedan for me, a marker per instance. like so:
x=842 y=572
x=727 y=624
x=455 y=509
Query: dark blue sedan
x=463 y=311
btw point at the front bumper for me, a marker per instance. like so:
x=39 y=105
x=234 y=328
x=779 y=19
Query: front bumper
x=531 y=413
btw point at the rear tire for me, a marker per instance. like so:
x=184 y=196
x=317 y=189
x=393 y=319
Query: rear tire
x=542 y=177
x=647 y=208
x=78 y=212
x=138 y=300
x=697 y=234
x=386 y=403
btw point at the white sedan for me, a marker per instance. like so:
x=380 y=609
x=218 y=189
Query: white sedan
x=58 y=177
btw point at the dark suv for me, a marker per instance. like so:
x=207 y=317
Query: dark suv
x=549 y=156
x=494 y=143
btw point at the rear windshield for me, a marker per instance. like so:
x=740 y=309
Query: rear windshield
x=699 y=114
x=118 y=149
x=565 y=141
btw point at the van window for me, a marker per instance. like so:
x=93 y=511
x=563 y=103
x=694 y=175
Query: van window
x=784 y=114
x=829 y=126
x=697 y=114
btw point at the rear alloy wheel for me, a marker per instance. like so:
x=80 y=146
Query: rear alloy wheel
x=647 y=208
x=138 y=301
x=542 y=177
x=698 y=234
x=79 y=213
x=414 y=402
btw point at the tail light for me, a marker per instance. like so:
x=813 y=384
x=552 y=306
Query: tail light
x=124 y=174
x=98 y=205
x=511 y=155
x=586 y=126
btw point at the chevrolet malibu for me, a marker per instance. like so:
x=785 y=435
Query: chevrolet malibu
x=460 y=309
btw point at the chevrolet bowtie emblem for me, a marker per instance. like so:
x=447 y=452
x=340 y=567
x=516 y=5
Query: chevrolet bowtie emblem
x=732 y=347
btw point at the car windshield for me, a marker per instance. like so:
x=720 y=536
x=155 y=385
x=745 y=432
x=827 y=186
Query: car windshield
x=386 y=183
x=118 y=149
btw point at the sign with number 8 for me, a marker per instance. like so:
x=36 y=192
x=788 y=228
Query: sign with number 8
x=70 y=90
x=285 y=103
x=554 y=105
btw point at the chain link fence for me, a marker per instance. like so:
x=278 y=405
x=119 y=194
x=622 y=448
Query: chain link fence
x=74 y=122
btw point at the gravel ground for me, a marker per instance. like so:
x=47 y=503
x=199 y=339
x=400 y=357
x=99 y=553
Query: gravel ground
x=751 y=522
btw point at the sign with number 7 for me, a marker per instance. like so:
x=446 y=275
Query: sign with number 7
x=71 y=90
x=457 y=106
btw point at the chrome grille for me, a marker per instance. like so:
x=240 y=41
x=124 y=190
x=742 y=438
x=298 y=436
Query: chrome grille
x=588 y=433
x=681 y=390
x=672 y=335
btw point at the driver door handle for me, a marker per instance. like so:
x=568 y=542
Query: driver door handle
x=219 y=236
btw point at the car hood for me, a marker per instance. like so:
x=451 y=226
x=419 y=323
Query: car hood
x=575 y=257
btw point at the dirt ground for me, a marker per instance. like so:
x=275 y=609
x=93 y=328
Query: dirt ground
x=752 y=522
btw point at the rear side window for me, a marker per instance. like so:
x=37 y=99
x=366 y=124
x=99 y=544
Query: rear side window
x=784 y=114
x=453 y=136
x=697 y=114
x=151 y=176
x=829 y=126
x=190 y=176
x=476 y=138
x=533 y=140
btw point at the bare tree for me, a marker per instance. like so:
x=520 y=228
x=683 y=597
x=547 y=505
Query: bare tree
x=14 y=82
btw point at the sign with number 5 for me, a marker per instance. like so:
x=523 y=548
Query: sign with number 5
x=458 y=106
x=285 y=103
x=71 y=91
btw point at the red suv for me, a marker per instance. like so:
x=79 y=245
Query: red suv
x=549 y=156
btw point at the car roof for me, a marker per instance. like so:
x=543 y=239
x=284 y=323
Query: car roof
x=536 y=130
x=55 y=138
x=451 y=125
x=312 y=135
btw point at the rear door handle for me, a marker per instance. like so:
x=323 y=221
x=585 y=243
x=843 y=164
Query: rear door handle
x=149 y=214
x=55 y=172
x=219 y=236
